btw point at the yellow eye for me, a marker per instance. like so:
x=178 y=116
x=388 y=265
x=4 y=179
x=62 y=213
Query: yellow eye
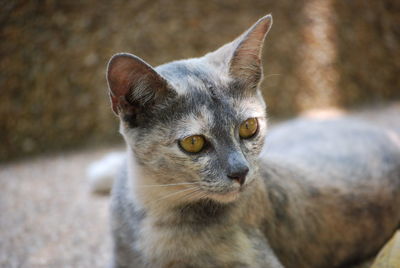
x=248 y=128
x=192 y=144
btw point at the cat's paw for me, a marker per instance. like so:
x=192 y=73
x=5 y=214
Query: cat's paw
x=101 y=174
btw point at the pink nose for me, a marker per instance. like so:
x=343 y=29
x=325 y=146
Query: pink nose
x=240 y=175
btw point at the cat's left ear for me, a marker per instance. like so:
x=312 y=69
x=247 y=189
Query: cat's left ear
x=242 y=57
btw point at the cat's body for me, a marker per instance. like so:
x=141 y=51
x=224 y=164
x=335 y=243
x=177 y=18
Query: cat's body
x=328 y=197
x=324 y=194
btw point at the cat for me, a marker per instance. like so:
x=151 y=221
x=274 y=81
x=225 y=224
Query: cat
x=197 y=187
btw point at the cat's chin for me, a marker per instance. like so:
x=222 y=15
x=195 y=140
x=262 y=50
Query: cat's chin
x=224 y=198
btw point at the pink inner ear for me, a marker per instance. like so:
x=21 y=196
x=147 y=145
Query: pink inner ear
x=254 y=39
x=128 y=77
x=124 y=71
x=247 y=56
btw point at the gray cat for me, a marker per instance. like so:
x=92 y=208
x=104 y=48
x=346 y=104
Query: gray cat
x=196 y=193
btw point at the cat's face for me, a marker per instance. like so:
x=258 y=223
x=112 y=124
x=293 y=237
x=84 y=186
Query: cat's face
x=198 y=123
x=207 y=114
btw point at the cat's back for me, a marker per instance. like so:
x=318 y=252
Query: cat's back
x=335 y=186
x=339 y=149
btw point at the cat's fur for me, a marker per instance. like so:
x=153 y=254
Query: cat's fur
x=323 y=194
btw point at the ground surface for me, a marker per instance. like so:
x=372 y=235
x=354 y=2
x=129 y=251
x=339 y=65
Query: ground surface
x=48 y=218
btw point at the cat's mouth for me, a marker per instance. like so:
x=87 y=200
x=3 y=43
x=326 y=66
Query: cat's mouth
x=225 y=193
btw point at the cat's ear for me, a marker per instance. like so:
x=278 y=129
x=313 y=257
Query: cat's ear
x=133 y=84
x=242 y=57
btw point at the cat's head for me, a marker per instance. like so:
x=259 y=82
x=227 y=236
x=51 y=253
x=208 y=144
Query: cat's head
x=198 y=123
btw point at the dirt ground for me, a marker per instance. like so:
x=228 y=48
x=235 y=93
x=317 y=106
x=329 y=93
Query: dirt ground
x=48 y=218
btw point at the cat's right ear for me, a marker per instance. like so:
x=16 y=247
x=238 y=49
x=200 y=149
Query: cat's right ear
x=133 y=84
x=241 y=58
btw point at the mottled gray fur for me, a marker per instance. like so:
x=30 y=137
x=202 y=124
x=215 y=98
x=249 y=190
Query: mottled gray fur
x=322 y=194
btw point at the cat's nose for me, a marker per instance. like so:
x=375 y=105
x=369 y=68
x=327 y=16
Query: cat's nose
x=237 y=167
x=239 y=175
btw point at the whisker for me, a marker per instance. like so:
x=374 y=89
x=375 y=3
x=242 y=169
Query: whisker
x=271 y=75
x=192 y=194
x=166 y=185
x=175 y=193
x=204 y=195
x=200 y=195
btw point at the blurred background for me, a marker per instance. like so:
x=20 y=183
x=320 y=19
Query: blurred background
x=340 y=56
x=53 y=55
